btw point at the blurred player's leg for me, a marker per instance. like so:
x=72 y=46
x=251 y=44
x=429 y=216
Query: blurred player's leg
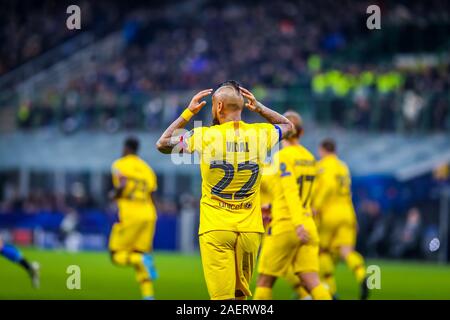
x=306 y=264
x=327 y=268
x=14 y=255
x=274 y=259
x=355 y=262
x=307 y=267
x=296 y=285
x=131 y=245
x=312 y=283
x=143 y=270
x=344 y=241
x=264 y=287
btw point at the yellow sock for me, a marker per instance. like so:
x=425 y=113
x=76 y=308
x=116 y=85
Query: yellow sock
x=147 y=290
x=302 y=293
x=263 y=293
x=356 y=263
x=142 y=276
x=327 y=271
x=135 y=259
x=320 y=293
x=330 y=282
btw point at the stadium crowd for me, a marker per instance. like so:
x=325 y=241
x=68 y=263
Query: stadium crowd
x=166 y=50
x=30 y=28
x=390 y=101
x=77 y=199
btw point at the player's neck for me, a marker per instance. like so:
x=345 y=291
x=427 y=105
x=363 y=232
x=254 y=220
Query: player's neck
x=126 y=154
x=289 y=143
x=230 y=118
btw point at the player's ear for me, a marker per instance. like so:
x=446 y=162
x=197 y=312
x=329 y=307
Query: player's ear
x=219 y=107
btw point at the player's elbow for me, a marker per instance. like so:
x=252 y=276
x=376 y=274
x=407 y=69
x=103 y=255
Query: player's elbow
x=161 y=146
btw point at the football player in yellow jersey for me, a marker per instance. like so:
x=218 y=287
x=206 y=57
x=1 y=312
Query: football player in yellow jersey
x=266 y=208
x=231 y=155
x=336 y=218
x=292 y=241
x=131 y=238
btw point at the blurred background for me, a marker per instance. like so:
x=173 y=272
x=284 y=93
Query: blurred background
x=68 y=98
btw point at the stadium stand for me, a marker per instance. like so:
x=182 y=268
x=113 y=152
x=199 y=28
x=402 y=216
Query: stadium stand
x=385 y=100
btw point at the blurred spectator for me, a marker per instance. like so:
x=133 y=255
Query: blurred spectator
x=407 y=237
x=412 y=106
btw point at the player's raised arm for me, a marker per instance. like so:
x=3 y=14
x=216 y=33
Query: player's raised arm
x=167 y=142
x=270 y=115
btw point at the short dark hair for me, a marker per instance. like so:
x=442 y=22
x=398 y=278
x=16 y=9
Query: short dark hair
x=329 y=145
x=230 y=83
x=132 y=144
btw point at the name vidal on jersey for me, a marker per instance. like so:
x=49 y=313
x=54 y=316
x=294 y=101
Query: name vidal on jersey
x=237 y=147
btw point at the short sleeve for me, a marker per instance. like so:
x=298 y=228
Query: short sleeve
x=271 y=134
x=193 y=140
x=284 y=166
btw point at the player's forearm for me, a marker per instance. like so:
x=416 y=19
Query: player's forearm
x=275 y=118
x=167 y=141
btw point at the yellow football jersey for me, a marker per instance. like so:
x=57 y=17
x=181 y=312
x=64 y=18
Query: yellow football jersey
x=332 y=194
x=135 y=202
x=267 y=184
x=231 y=158
x=292 y=188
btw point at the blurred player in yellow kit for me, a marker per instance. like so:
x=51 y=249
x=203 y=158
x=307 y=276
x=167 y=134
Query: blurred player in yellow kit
x=336 y=218
x=292 y=240
x=231 y=154
x=266 y=208
x=131 y=238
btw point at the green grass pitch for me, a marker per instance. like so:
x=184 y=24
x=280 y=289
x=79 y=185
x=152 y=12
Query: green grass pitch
x=181 y=277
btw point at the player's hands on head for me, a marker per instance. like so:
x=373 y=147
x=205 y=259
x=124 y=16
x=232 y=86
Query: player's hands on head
x=302 y=234
x=252 y=103
x=196 y=104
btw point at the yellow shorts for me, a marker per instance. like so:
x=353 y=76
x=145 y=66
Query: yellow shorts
x=283 y=253
x=132 y=236
x=337 y=234
x=228 y=260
